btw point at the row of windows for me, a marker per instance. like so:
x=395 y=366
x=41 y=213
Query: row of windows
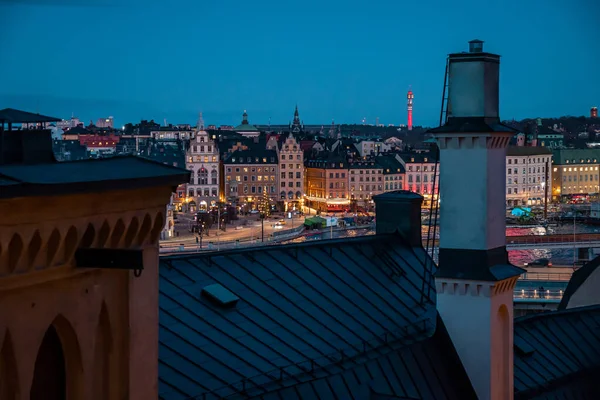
x=366 y=188
x=366 y=179
x=367 y=172
x=575 y=169
x=531 y=180
x=418 y=168
x=418 y=178
x=202 y=159
x=291 y=184
x=256 y=159
x=534 y=189
x=393 y=178
x=393 y=186
x=291 y=175
x=254 y=178
x=253 y=189
x=337 y=175
x=581 y=160
x=209 y=149
x=291 y=166
x=582 y=178
x=291 y=157
x=203 y=192
x=253 y=169
x=530 y=160
x=526 y=171
x=203 y=181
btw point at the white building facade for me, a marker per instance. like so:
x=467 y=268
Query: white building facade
x=528 y=171
x=203 y=163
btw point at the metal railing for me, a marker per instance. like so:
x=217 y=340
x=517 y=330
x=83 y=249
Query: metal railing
x=550 y=295
x=546 y=276
x=548 y=239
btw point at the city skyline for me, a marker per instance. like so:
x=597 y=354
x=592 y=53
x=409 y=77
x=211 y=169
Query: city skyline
x=348 y=64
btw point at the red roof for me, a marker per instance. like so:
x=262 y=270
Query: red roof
x=99 y=141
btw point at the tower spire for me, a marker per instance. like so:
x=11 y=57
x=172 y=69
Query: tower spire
x=409 y=107
x=200 y=126
x=245 y=118
x=296 y=125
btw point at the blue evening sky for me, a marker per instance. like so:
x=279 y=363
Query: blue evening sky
x=341 y=60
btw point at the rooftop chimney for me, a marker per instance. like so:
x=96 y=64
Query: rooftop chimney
x=26 y=146
x=473 y=83
x=400 y=211
x=475 y=280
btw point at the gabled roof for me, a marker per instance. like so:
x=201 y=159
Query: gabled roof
x=313 y=320
x=577 y=279
x=557 y=355
x=10 y=115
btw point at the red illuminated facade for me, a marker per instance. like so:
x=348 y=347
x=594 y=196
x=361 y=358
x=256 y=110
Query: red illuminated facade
x=409 y=106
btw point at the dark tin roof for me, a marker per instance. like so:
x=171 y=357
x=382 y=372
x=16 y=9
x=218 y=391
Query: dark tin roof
x=332 y=319
x=527 y=151
x=10 y=115
x=472 y=125
x=85 y=176
x=577 y=279
x=557 y=355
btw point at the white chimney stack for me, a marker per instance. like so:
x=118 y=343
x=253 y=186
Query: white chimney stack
x=475 y=280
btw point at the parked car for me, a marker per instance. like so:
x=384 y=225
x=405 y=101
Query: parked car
x=541 y=262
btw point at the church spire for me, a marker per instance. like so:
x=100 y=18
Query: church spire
x=245 y=118
x=296 y=125
x=200 y=126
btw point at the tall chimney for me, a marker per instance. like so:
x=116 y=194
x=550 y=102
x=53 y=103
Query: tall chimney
x=400 y=212
x=475 y=280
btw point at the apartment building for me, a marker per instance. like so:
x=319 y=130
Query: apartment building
x=575 y=173
x=203 y=162
x=365 y=181
x=248 y=173
x=421 y=174
x=393 y=172
x=291 y=174
x=327 y=183
x=527 y=173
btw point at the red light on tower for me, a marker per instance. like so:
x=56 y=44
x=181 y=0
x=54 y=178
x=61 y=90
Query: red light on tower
x=594 y=112
x=409 y=105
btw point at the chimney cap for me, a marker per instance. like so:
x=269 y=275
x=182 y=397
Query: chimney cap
x=476 y=46
x=398 y=194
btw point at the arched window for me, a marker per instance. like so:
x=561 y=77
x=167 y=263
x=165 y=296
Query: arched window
x=58 y=370
x=213 y=177
x=50 y=376
x=202 y=176
x=103 y=354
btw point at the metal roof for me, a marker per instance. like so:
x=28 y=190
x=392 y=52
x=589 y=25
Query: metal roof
x=313 y=320
x=557 y=355
x=577 y=279
x=10 y=115
x=472 y=124
x=86 y=175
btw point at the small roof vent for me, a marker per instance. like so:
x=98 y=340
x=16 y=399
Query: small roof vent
x=220 y=295
x=522 y=347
